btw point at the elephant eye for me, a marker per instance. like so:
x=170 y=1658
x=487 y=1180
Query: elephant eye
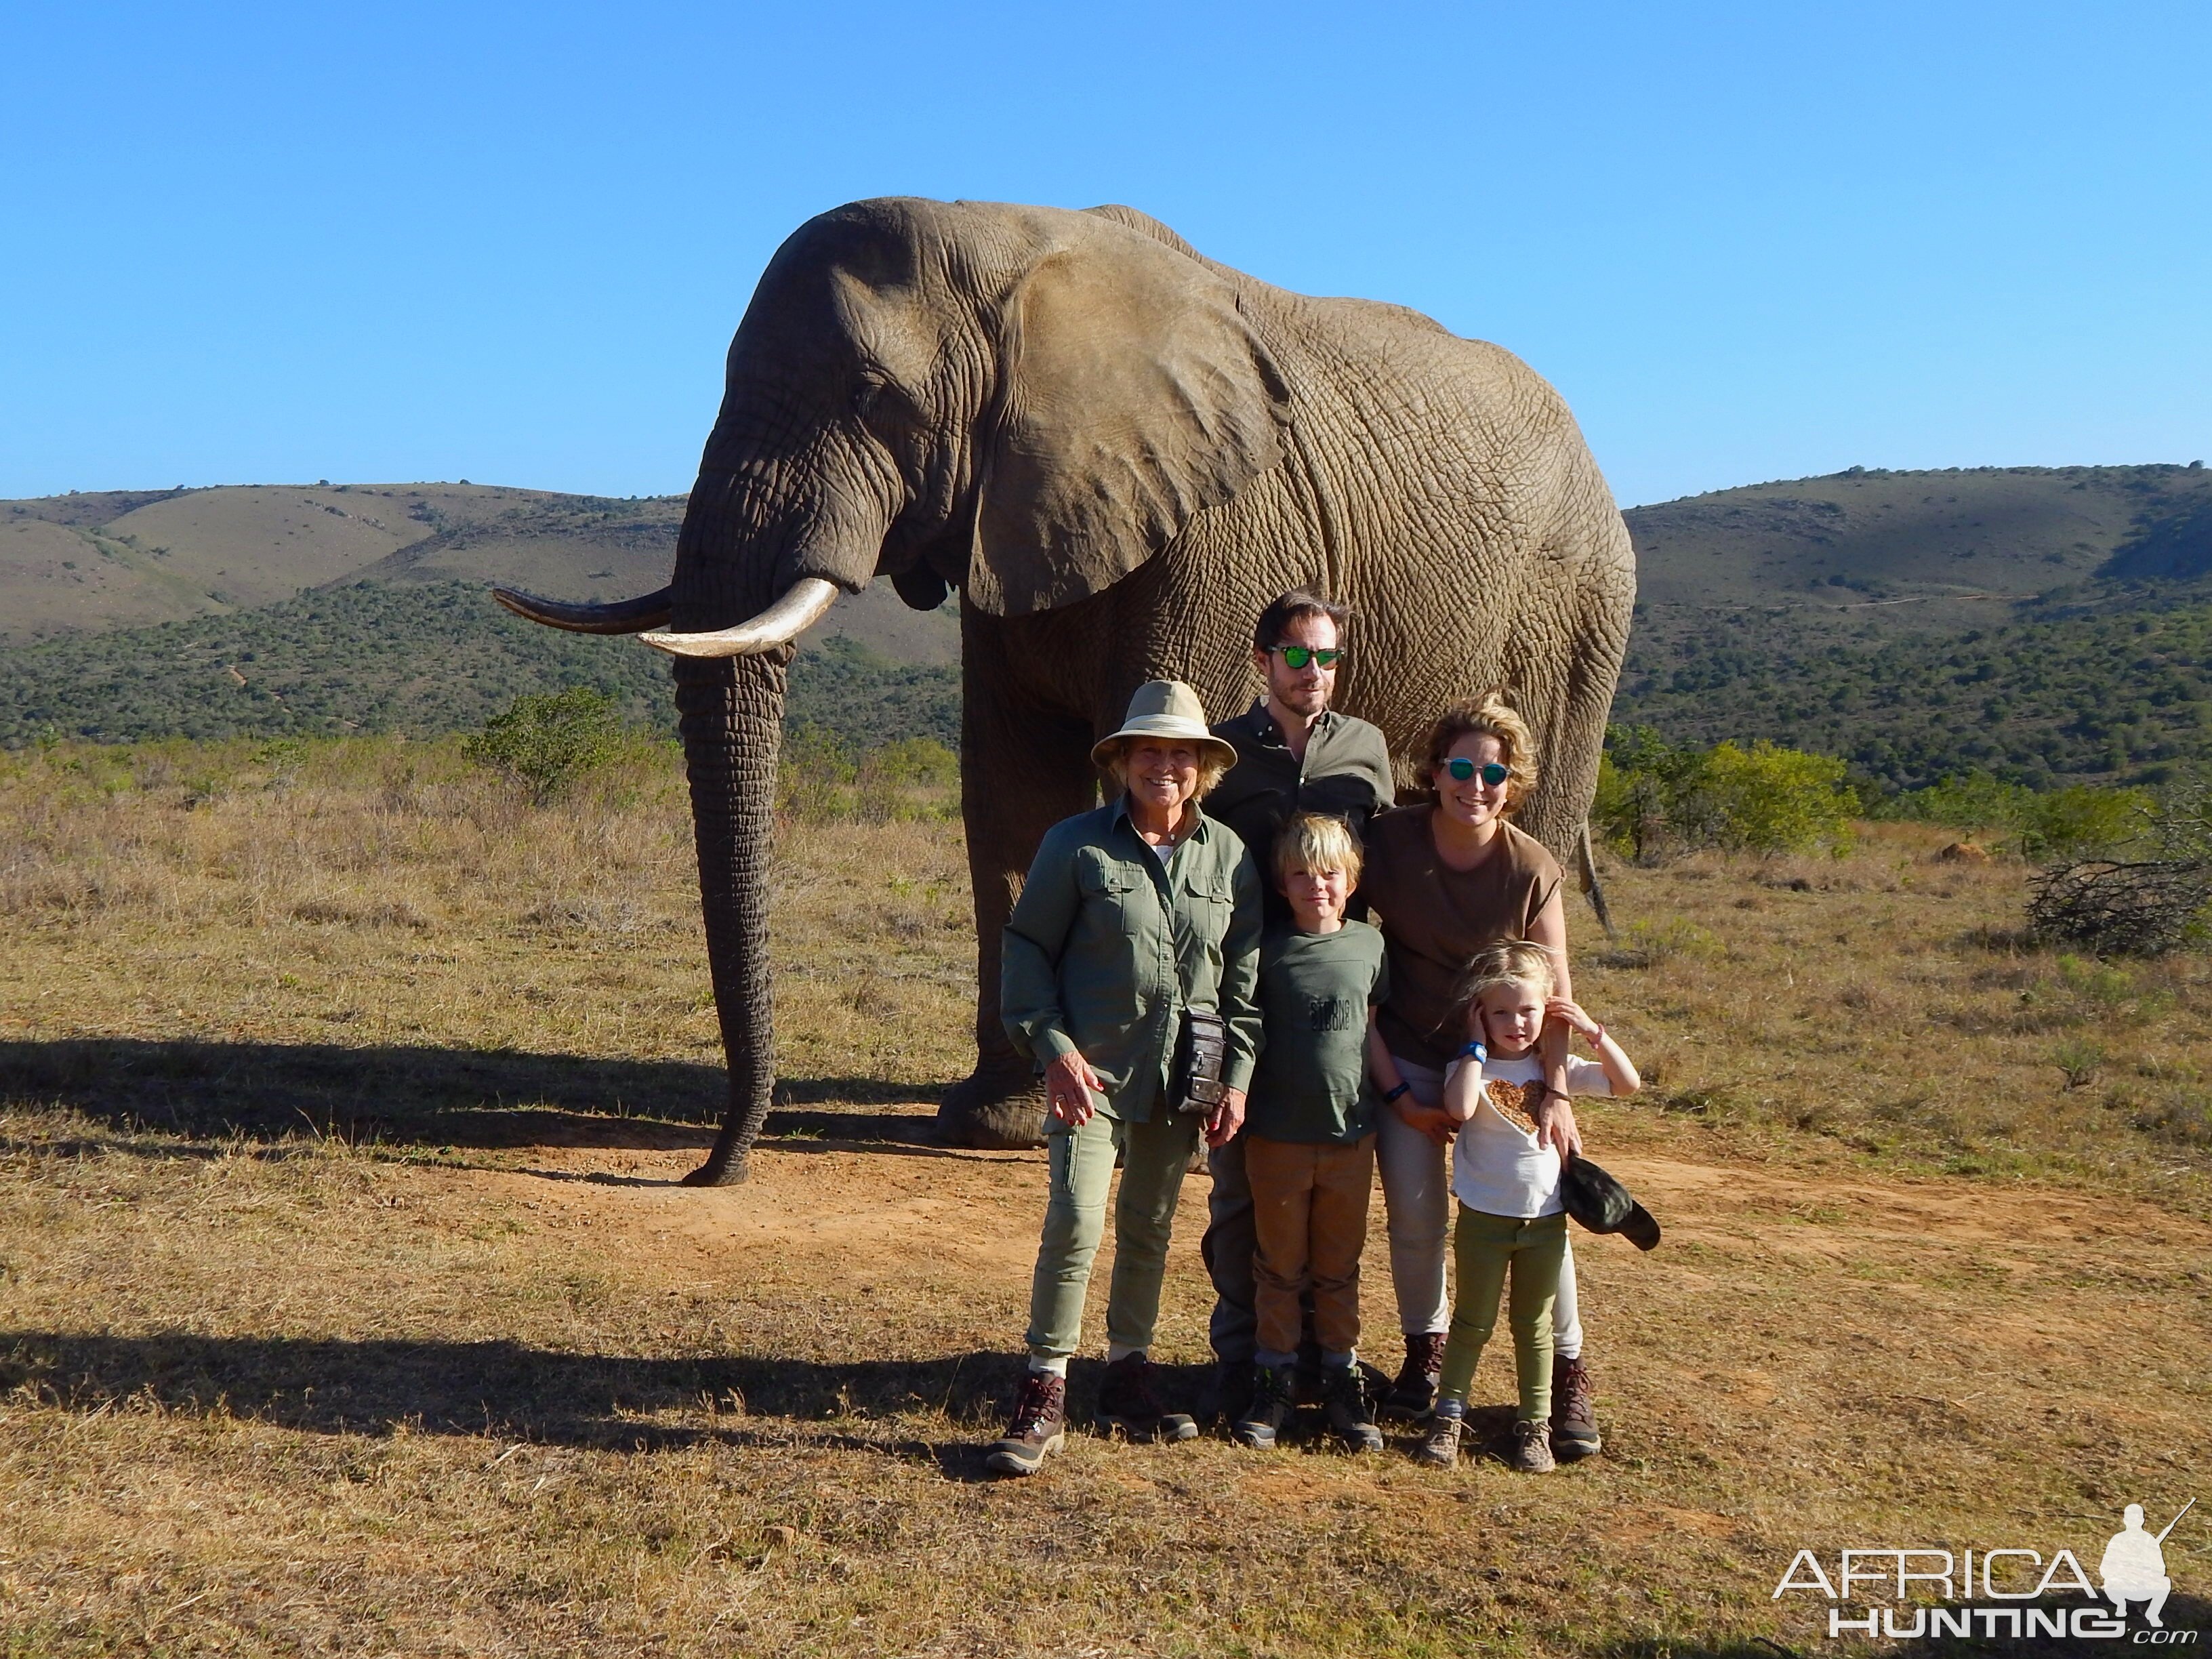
x=870 y=395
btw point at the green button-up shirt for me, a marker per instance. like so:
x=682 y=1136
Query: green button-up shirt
x=1346 y=772
x=1107 y=945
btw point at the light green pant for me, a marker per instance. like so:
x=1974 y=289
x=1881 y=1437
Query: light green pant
x=1483 y=1248
x=1154 y=1155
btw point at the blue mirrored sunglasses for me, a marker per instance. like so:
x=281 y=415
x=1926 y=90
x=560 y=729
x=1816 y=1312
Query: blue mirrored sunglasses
x=1462 y=768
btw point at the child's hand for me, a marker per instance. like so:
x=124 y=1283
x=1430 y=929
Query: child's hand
x=1434 y=1121
x=1569 y=1014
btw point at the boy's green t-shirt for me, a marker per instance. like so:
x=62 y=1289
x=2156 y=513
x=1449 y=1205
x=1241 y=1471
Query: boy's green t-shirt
x=1310 y=1084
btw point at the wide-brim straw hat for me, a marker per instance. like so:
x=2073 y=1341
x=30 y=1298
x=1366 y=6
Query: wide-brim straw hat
x=1167 y=710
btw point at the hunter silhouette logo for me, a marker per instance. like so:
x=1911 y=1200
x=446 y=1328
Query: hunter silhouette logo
x=1912 y=1593
x=2133 y=1567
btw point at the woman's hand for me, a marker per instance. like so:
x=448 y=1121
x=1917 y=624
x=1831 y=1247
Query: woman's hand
x=1227 y=1118
x=1555 y=1124
x=1071 y=1085
x=1434 y=1121
x=1569 y=1013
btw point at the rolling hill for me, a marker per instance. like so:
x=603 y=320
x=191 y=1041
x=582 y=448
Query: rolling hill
x=2049 y=625
x=1898 y=551
x=89 y=562
x=422 y=658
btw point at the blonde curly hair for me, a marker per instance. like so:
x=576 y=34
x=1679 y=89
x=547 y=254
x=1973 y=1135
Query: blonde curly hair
x=1487 y=716
x=1509 y=962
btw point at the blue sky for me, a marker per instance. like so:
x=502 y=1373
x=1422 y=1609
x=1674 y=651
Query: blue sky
x=510 y=243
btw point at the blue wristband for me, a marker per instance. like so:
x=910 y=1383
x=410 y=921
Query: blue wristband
x=1475 y=1052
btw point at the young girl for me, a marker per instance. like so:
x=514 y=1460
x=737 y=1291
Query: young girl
x=1510 y=1214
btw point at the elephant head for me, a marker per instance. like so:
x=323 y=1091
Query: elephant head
x=1023 y=403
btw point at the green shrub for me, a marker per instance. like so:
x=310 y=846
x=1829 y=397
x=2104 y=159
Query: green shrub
x=1770 y=799
x=824 y=776
x=914 y=763
x=2079 y=819
x=1654 y=798
x=814 y=777
x=548 y=740
x=2034 y=823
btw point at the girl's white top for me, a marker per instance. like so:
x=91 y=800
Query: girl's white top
x=1498 y=1168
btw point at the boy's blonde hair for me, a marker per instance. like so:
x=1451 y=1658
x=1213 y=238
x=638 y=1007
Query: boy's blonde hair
x=1487 y=716
x=1317 y=840
x=1510 y=962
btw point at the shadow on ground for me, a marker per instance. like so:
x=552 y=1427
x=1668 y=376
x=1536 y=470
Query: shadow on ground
x=505 y=1389
x=431 y=1097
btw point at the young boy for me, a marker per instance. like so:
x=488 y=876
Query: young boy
x=1511 y=1217
x=1309 y=1130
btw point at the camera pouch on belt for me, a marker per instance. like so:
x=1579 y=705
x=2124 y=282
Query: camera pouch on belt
x=1200 y=1052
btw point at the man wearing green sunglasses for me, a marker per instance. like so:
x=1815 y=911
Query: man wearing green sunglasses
x=1294 y=754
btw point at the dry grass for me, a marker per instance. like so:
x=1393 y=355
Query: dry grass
x=349 y=1309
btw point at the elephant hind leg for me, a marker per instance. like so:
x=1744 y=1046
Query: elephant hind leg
x=1023 y=769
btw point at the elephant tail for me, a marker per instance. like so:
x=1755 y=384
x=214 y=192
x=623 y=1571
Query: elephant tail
x=1586 y=863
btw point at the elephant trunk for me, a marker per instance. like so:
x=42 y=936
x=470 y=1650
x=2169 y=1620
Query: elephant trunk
x=731 y=712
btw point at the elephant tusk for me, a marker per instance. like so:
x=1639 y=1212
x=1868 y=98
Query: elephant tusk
x=798 y=609
x=624 y=616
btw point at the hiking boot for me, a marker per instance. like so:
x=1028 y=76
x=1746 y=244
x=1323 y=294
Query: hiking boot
x=1439 y=1448
x=1532 y=1447
x=1574 y=1424
x=1039 y=1427
x=1270 y=1410
x=1414 y=1392
x=1345 y=1409
x=1129 y=1404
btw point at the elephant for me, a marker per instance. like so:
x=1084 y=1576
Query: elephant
x=1116 y=451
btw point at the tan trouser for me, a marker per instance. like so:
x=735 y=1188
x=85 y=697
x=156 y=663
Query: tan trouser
x=1309 y=1212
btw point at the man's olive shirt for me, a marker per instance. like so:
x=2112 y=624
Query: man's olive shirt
x=1346 y=773
x=1108 y=945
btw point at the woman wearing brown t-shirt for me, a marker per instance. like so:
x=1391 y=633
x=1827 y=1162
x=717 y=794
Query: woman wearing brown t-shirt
x=1443 y=880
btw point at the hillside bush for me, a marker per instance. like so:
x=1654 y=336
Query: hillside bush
x=1655 y=799
x=2036 y=824
x=548 y=740
x=815 y=775
x=2110 y=685
x=824 y=777
x=2158 y=900
x=428 y=661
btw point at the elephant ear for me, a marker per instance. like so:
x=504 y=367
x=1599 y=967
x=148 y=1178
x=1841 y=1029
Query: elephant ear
x=1132 y=395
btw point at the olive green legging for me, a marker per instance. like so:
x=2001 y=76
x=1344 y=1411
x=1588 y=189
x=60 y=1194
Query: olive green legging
x=1483 y=1248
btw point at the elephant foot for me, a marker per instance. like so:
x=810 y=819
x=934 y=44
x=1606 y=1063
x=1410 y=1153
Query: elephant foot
x=720 y=1172
x=1000 y=1115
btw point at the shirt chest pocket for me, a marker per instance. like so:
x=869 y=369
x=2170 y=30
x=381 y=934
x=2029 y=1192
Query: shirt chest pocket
x=1208 y=904
x=1113 y=893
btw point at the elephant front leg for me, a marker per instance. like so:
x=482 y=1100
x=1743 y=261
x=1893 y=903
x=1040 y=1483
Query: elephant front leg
x=1021 y=772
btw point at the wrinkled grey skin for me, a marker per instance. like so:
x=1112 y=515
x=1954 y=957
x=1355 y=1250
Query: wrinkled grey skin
x=1117 y=451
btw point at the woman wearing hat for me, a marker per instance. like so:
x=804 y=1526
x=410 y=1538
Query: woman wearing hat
x=1133 y=914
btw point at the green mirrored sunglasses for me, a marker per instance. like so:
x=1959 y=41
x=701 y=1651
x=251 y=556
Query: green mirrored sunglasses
x=1462 y=768
x=1297 y=656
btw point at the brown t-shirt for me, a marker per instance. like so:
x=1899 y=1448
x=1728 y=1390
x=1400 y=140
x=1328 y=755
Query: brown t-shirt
x=1434 y=918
